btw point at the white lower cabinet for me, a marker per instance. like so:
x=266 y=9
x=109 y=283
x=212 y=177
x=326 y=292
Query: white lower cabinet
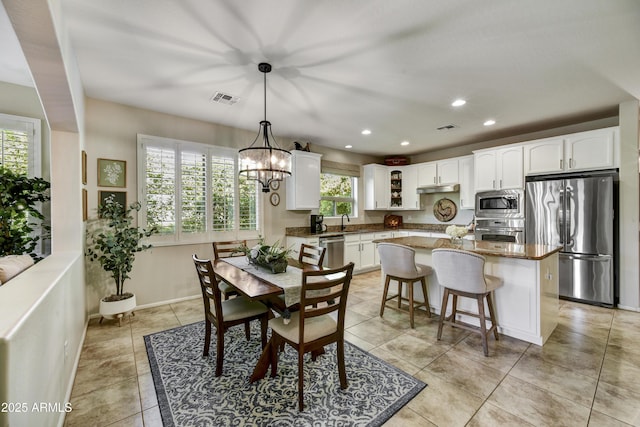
x=376 y=236
x=295 y=242
x=360 y=249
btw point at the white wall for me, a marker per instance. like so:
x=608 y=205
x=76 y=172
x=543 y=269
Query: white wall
x=629 y=206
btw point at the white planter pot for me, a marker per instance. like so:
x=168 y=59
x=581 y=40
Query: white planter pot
x=117 y=309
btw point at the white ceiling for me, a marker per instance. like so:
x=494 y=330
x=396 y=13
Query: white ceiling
x=340 y=66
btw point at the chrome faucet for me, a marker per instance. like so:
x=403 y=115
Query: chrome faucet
x=342 y=227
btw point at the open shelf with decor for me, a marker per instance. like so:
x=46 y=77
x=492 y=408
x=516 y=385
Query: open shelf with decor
x=396 y=189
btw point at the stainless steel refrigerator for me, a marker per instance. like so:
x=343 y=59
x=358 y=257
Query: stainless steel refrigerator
x=577 y=212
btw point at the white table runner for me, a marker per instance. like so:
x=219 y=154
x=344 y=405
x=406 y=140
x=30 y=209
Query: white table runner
x=290 y=281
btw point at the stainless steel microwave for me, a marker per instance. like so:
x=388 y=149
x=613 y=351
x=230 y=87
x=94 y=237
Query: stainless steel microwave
x=500 y=204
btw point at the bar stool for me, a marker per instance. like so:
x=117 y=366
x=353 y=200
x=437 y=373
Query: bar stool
x=461 y=273
x=399 y=264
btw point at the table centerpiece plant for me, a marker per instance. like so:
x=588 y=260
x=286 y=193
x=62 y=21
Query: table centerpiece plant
x=272 y=257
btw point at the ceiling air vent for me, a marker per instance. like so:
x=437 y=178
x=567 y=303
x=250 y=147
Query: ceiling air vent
x=224 y=98
x=447 y=127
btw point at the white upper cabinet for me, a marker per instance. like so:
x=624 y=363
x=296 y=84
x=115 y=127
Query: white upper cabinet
x=438 y=173
x=484 y=166
x=376 y=187
x=544 y=156
x=496 y=169
x=591 y=150
x=467 y=189
x=427 y=174
x=448 y=172
x=410 y=196
x=303 y=186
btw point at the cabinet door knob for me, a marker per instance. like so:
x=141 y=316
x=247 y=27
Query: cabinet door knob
x=560 y=163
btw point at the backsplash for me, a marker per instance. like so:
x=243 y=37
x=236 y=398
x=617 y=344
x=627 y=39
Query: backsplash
x=440 y=228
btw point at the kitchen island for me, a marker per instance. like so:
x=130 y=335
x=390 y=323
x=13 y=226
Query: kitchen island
x=526 y=304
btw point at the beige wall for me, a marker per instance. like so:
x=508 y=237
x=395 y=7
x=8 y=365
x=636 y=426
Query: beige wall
x=167 y=273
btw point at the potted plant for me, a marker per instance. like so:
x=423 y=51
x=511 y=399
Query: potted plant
x=20 y=198
x=273 y=257
x=115 y=246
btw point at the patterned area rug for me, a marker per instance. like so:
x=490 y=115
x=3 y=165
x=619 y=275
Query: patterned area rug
x=189 y=393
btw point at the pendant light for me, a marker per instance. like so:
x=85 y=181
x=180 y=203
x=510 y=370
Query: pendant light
x=265 y=163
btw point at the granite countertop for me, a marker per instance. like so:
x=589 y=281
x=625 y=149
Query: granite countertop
x=334 y=230
x=499 y=249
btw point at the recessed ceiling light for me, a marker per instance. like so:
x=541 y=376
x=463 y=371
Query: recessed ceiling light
x=348 y=146
x=458 y=103
x=366 y=132
x=490 y=122
x=404 y=143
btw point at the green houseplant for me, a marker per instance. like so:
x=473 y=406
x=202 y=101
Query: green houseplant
x=114 y=246
x=273 y=257
x=20 y=199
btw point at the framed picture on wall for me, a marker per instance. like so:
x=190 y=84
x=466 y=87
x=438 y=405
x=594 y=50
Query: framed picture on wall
x=85 y=212
x=84 y=167
x=112 y=173
x=120 y=197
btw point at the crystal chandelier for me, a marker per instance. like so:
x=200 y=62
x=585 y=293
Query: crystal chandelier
x=265 y=163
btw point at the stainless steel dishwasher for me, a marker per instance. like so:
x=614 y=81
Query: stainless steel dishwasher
x=334 y=256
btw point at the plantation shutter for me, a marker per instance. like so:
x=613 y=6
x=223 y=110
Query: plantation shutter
x=193 y=191
x=160 y=178
x=222 y=192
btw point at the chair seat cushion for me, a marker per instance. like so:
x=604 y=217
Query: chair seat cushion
x=493 y=282
x=240 y=308
x=423 y=270
x=226 y=288
x=314 y=328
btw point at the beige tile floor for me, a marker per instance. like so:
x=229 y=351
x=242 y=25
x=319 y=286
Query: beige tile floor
x=587 y=374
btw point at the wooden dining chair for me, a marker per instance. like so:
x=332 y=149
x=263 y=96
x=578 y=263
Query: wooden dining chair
x=224 y=250
x=310 y=254
x=224 y=314
x=315 y=324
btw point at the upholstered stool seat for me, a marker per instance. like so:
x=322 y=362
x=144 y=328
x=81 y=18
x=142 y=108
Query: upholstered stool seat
x=461 y=273
x=399 y=264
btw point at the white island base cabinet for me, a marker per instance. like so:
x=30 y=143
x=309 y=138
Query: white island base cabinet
x=526 y=305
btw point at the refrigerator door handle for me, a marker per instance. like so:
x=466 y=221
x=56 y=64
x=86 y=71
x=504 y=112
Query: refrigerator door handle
x=569 y=223
x=560 y=217
x=586 y=257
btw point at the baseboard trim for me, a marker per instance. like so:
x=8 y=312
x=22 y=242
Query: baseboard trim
x=156 y=304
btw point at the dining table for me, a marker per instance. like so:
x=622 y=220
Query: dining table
x=279 y=291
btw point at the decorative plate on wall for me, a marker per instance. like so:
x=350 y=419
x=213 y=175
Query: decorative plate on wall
x=445 y=210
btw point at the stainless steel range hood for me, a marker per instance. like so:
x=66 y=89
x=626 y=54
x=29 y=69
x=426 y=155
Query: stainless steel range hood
x=431 y=189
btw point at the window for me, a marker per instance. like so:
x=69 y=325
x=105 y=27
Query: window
x=192 y=192
x=337 y=195
x=20 y=144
